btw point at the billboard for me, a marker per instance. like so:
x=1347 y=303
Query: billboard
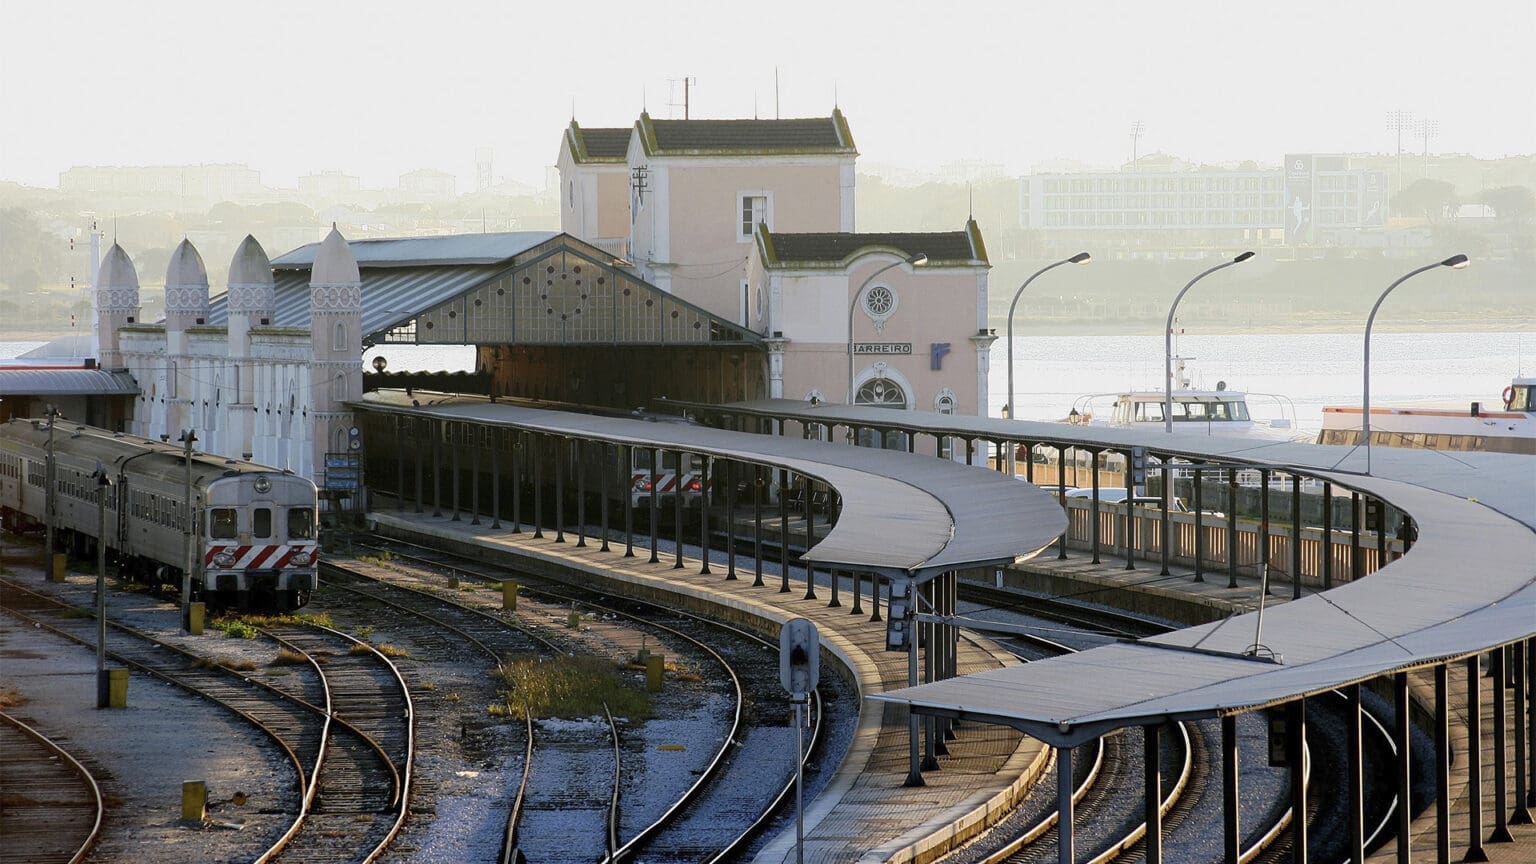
x=1298 y=199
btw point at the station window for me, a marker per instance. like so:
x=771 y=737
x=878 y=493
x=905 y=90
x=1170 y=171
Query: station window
x=261 y=522
x=301 y=523
x=222 y=523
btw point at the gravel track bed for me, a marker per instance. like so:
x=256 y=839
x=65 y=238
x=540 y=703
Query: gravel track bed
x=143 y=753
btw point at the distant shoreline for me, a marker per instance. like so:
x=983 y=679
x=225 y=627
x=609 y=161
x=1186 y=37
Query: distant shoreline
x=1143 y=328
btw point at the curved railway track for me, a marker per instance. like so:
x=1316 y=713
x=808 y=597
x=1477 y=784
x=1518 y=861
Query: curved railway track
x=691 y=828
x=326 y=751
x=50 y=806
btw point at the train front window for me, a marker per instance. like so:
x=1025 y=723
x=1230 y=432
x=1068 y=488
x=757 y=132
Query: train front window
x=301 y=523
x=223 y=524
x=261 y=522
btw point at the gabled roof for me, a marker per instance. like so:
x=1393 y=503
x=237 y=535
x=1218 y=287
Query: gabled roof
x=597 y=145
x=494 y=248
x=818 y=135
x=780 y=250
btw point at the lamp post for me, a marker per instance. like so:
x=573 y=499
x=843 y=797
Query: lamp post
x=1079 y=258
x=103 y=484
x=188 y=438
x=1456 y=262
x=1168 y=339
x=917 y=260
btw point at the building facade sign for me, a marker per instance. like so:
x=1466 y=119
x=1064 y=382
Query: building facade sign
x=882 y=347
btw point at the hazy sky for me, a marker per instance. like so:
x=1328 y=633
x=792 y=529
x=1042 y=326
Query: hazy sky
x=379 y=88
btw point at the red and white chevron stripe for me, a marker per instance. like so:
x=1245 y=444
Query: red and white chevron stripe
x=269 y=557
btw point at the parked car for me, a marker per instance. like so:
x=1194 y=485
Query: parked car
x=1117 y=495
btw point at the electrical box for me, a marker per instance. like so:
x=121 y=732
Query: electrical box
x=1279 y=746
x=901 y=615
x=1138 y=466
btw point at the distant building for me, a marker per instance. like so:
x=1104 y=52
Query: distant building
x=429 y=183
x=203 y=185
x=329 y=185
x=1313 y=200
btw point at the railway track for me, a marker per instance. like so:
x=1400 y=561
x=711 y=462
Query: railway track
x=362 y=792
x=728 y=804
x=50 y=805
x=326 y=749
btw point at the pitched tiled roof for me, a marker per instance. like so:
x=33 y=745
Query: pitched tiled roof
x=832 y=248
x=598 y=145
x=813 y=135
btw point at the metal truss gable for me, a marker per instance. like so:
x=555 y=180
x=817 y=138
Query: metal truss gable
x=566 y=296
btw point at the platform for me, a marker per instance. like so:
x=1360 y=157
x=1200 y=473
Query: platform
x=865 y=814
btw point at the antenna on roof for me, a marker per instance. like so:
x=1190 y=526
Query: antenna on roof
x=970 y=202
x=573 y=109
x=775 y=92
x=834 y=94
x=754 y=104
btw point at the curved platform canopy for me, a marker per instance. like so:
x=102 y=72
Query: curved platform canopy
x=66 y=381
x=521 y=287
x=1468 y=585
x=902 y=515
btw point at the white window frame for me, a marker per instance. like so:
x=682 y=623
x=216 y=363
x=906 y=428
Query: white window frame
x=766 y=217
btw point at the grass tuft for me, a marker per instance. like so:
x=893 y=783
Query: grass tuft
x=571 y=687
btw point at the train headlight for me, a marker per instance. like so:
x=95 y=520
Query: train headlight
x=643 y=484
x=224 y=559
x=302 y=558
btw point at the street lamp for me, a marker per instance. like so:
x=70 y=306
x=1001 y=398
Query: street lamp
x=1455 y=262
x=1079 y=258
x=1168 y=339
x=917 y=260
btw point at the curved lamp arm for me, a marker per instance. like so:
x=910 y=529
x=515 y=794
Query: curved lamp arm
x=917 y=260
x=1168 y=339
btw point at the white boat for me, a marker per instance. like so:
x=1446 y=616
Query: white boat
x=1212 y=412
x=1506 y=424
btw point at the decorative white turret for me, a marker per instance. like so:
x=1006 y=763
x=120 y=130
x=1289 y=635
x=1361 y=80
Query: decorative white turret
x=117 y=302
x=186 y=305
x=336 y=340
x=186 y=289
x=252 y=297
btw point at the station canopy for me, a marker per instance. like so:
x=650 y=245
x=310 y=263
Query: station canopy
x=520 y=287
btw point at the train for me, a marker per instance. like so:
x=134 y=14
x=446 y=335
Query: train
x=255 y=538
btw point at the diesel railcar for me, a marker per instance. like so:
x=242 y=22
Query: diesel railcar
x=254 y=538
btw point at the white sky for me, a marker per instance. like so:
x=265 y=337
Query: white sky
x=379 y=88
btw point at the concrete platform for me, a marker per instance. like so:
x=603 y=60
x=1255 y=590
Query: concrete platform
x=865 y=814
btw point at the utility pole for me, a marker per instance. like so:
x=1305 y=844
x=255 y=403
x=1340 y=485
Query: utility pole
x=103 y=685
x=48 y=503
x=188 y=438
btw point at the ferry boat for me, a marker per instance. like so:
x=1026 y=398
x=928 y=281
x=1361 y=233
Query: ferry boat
x=1213 y=412
x=1508 y=427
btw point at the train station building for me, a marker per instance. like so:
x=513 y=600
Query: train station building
x=699 y=260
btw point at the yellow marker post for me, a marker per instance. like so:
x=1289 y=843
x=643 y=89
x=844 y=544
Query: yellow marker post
x=573 y=620
x=509 y=595
x=60 y=566
x=194 y=800
x=196 y=613
x=654 y=665
x=117 y=688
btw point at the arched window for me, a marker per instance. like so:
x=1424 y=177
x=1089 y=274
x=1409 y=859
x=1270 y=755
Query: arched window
x=339 y=338
x=944 y=403
x=881 y=392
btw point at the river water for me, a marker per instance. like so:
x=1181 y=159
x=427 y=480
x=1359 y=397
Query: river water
x=1309 y=369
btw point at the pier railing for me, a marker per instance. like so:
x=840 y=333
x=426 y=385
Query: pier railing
x=1219 y=544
